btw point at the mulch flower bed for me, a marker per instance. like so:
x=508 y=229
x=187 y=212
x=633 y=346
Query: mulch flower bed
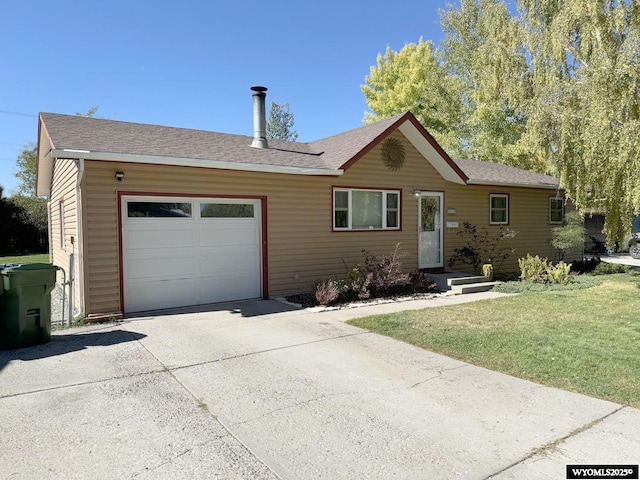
x=307 y=300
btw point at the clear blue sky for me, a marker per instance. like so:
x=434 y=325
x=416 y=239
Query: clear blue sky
x=190 y=63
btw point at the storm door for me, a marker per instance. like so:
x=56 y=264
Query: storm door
x=430 y=230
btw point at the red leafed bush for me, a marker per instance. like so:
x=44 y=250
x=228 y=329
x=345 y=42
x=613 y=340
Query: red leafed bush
x=326 y=292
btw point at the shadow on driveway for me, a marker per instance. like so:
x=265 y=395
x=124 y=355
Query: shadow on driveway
x=245 y=308
x=62 y=344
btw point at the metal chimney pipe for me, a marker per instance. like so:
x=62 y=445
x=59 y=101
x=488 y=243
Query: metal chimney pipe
x=259 y=118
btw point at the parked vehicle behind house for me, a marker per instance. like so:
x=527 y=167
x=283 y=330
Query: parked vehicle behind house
x=629 y=241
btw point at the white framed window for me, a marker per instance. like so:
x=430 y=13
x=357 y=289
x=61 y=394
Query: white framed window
x=556 y=210
x=499 y=209
x=366 y=209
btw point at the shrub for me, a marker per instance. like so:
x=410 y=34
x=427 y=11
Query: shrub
x=421 y=281
x=577 y=283
x=357 y=283
x=483 y=247
x=540 y=270
x=340 y=284
x=326 y=292
x=384 y=272
x=361 y=285
x=507 y=277
x=533 y=269
x=585 y=266
x=377 y=276
x=605 y=268
x=569 y=236
x=560 y=274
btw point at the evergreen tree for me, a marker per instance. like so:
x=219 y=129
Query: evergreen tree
x=280 y=123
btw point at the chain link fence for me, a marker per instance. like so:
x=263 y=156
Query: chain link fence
x=59 y=313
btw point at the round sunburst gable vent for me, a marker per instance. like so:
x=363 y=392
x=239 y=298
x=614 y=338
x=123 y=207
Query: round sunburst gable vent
x=393 y=154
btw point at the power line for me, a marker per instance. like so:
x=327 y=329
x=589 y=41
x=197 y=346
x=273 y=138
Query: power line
x=20 y=114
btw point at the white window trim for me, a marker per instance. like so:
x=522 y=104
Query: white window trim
x=498 y=195
x=556 y=222
x=350 y=209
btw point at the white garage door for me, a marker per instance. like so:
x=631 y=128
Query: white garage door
x=189 y=251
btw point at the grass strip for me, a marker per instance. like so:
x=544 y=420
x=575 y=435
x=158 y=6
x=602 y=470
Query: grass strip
x=38 y=258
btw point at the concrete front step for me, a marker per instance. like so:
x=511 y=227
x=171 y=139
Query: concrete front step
x=464 y=280
x=473 y=287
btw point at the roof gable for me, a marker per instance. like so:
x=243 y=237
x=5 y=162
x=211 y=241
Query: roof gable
x=354 y=144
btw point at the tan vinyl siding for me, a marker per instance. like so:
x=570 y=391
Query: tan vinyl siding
x=63 y=189
x=528 y=216
x=302 y=248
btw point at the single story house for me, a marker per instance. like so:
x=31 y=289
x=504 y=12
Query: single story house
x=152 y=217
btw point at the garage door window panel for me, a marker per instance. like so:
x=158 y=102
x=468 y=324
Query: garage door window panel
x=158 y=210
x=226 y=210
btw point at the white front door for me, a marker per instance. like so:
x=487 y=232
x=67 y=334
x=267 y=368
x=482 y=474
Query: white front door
x=430 y=230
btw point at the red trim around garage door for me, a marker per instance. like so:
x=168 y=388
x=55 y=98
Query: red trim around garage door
x=264 y=233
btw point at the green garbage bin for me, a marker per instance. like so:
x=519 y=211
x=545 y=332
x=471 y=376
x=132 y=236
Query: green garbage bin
x=25 y=304
x=2 y=267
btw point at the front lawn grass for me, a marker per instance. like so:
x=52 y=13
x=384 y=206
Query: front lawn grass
x=38 y=258
x=585 y=341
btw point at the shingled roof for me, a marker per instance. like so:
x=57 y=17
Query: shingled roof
x=69 y=132
x=488 y=173
x=95 y=136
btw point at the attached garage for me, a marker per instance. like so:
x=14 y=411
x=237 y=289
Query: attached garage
x=183 y=251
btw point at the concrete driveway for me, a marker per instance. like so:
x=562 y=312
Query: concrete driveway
x=621 y=259
x=255 y=391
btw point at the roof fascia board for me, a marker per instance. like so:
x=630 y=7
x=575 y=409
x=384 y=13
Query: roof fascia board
x=432 y=152
x=512 y=184
x=193 y=162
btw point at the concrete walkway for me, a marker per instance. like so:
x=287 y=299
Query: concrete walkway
x=257 y=390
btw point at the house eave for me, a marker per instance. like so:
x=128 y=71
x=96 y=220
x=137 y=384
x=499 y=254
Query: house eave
x=545 y=186
x=44 y=161
x=193 y=162
x=44 y=170
x=431 y=151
